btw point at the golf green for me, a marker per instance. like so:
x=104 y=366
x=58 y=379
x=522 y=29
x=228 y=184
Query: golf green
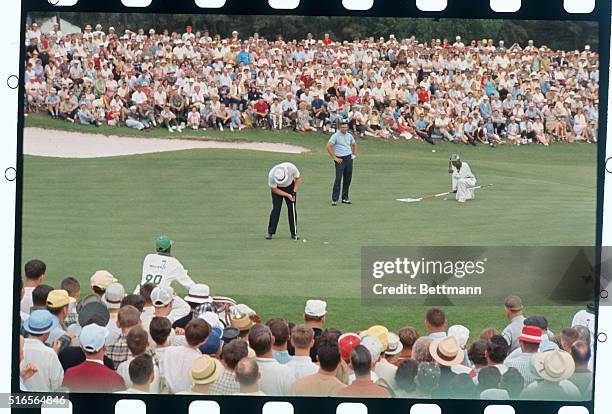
x=81 y=215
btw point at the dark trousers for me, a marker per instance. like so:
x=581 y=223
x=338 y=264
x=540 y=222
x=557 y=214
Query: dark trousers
x=277 y=204
x=344 y=174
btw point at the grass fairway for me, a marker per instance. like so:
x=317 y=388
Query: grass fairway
x=80 y=215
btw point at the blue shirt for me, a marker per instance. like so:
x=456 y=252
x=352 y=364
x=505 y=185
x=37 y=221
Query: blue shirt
x=244 y=57
x=281 y=356
x=342 y=144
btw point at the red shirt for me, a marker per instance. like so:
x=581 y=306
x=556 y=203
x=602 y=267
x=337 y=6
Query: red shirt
x=327 y=42
x=363 y=388
x=90 y=376
x=423 y=95
x=260 y=106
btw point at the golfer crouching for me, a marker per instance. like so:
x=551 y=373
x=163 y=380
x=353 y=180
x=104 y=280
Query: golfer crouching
x=463 y=180
x=284 y=179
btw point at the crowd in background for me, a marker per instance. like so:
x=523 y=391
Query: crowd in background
x=476 y=92
x=112 y=341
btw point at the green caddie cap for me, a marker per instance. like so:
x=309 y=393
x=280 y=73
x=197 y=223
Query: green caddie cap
x=454 y=157
x=163 y=243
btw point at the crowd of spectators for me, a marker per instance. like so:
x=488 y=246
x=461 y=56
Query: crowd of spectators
x=111 y=341
x=473 y=93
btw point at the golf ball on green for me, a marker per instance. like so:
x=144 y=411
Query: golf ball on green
x=433 y=150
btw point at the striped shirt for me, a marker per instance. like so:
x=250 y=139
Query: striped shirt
x=523 y=362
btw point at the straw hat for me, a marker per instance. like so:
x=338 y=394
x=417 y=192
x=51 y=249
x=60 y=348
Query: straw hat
x=446 y=351
x=205 y=370
x=554 y=365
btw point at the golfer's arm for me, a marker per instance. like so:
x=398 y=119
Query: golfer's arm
x=296 y=185
x=330 y=150
x=280 y=192
x=354 y=148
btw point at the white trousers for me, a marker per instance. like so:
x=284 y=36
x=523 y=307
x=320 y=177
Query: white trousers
x=464 y=188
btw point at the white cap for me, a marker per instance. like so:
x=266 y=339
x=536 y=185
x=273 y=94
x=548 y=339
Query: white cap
x=211 y=319
x=316 y=308
x=114 y=295
x=162 y=296
x=394 y=345
x=373 y=345
x=461 y=333
x=199 y=293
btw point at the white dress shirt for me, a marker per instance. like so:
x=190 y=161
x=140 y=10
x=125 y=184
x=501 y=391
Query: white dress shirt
x=50 y=372
x=175 y=363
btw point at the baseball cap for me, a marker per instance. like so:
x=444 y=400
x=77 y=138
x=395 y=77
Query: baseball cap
x=347 y=342
x=92 y=337
x=513 y=303
x=213 y=342
x=205 y=370
x=316 y=308
x=163 y=243
x=162 y=296
x=199 y=293
x=373 y=346
x=102 y=278
x=394 y=346
x=113 y=295
x=58 y=298
x=379 y=332
x=531 y=334
x=40 y=322
x=454 y=157
x=93 y=309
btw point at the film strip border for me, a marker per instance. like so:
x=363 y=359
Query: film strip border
x=11 y=22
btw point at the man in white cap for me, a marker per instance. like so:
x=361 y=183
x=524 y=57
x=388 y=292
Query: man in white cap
x=314 y=317
x=284 y=180
x=463 y=180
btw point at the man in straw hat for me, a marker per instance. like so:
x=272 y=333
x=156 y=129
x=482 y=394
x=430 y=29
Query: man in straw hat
x=447 y=353
x=284 y=181
x=554 y=368
x=203 y=372
x=462 y=179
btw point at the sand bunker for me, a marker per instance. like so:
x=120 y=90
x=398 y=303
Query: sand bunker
x=64 y=144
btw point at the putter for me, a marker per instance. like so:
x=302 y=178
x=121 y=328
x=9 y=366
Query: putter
x=415 y=200
x=294 y=217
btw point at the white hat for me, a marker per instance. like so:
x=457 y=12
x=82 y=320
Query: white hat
x=212 y=319
x=316 y=308
x=394 y=345
x=461 y=333
x=281 y=176
x=554 y=365
x=113 y=295
x=162 y=296
x=199 y=293
x=373 y=345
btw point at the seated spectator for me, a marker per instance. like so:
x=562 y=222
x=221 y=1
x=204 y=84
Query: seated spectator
x=141 y=375
x=408 y=336
x=496 y=352
x=280 y=332
x=92 y=375
x=137 y=341
x=324 y=383
x=427 y=379
x=362 y=386
x=512 y=381
x=177 y=360
x=127 y=318
x=231 y=354
x=405 y=378
x=49 y=373
x=554 y=368
x=583 y=376
x=436 y=323
x=248 y=376
x=302 y=339
x=488 y=378
x=462 y=386
x=276 y=378
x=204 y=371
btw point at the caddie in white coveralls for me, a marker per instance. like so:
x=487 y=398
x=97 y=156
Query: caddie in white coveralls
x=463 y=180
x=162 y=269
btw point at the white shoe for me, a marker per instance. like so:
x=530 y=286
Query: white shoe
x=174 y=127
x=221 y=128
x=170 y=130
x=461 y=200
x=231 y=128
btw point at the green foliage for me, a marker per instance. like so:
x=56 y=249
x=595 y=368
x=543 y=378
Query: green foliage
x=555 y=34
